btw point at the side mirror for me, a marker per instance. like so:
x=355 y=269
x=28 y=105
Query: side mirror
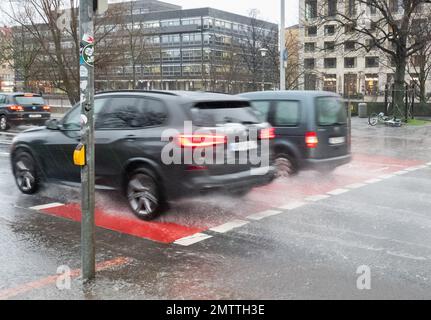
x=53 y=124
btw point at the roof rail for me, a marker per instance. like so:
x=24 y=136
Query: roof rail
x=170 y=93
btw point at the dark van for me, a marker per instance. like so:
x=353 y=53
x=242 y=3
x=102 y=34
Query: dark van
x=312 y=128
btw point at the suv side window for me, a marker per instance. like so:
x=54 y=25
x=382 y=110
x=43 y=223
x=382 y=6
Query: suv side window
x=119 y=113
x=131 y=113
x=286 y=113
x=263 y=108
x=2 y=99
x=153 y=114
x=72 y=121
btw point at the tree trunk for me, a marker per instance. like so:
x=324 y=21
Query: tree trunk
x=399 y=87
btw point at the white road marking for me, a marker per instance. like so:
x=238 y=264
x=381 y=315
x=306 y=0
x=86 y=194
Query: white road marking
x=355 y=185
x=412 y=169
x=47 y=206
x=429 y=164
x=386 y=176
x=399 y=173
x=379 y=169
x=373 y=181
x=229 y=226
x=422 y=166
x=336 y=192
x=263 y=214
x=10 y=134
x=5 y=142
x=317 y=197
x=197 y=237
x=293 y=205
x=4 y=154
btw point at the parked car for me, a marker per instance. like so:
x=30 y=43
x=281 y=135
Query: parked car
x=312 y=128
x=22 y=108
x=129 y=126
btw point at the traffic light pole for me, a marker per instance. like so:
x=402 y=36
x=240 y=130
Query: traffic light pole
x=282 y=45
x=86 y=72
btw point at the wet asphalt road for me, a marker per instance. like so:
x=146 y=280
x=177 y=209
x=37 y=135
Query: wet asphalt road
x=312 y=251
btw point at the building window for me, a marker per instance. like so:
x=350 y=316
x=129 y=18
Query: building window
x=371 y=84
x=329 y=46
x=309 y=46
x=172 y=39
x=349 y=46
x=349 y=28
x=332 y=8
x=310 y=81
x=171 y=55
x=309 y=63
x=191 y=21
x=170 y=23
x=394 y=6
x=330 y=82
x=371 y=62
x=329 y=30
x=330 y=63
x=371 y=7
x=310 y=9
x=350 y=7
x=350 y=84
x=349 y=62
x=312 y=31
x=370 y=44
x=208 y=23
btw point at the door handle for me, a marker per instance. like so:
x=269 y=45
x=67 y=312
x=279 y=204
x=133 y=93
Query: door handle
x=131 y=137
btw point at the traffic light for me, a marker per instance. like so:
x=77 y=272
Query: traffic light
x=100 y=6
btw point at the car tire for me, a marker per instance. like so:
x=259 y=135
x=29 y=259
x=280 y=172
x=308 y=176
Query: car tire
x=143 y=195
x=4 y=125
x=285 y=165
x=241 y=193
x=25 y=172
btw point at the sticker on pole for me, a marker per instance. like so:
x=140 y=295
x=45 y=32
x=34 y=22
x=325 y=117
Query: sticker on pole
x=87 y=50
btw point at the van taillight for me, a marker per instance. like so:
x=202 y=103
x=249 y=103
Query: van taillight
x=200 y=140
x=46 y=108
x=311 y=140
x=267 y=134
x=16 y=108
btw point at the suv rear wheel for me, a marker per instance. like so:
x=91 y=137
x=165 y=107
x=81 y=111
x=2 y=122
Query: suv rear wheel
x=143 y=195
x=3 y=123
x=285 y=165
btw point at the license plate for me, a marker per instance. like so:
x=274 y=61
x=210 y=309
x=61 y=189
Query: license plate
x=243 y=146
x=337 y=140
x=35 y=116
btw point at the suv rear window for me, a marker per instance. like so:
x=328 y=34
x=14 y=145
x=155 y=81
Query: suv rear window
x=222 y=112
x=34 y=100
x=330 y=111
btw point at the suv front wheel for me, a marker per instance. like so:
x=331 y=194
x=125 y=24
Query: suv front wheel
x=143 y=195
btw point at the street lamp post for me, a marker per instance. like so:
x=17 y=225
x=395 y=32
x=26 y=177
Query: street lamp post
x=282 y=46
x=263 y=52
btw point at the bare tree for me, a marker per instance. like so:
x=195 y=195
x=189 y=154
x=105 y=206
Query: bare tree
x=294 y=69
x=258 y=37
x=58 y=42
x=21 y=55
x=397 y=28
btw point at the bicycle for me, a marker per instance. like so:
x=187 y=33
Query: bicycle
x=376 y=118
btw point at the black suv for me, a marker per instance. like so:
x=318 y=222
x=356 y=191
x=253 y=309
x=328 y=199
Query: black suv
x=312 y=128
x=22 y=108
x=135 y=130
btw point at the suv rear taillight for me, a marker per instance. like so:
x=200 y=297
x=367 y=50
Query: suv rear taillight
x=311 y=140
x=16 y=108
x=266 y=134
x=200 y=140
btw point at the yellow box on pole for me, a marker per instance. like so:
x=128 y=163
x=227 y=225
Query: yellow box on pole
x=79 y=155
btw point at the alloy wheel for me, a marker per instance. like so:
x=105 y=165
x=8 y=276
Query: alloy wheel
x=142 y=196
